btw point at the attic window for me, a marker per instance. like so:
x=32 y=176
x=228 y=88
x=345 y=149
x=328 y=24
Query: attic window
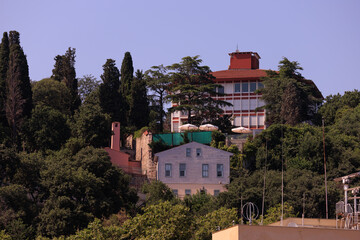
x=188 y=152
x=198 y=152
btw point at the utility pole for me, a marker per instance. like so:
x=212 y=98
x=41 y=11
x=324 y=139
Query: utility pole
x=282 y=176
x=264 y=186
x=326 y=198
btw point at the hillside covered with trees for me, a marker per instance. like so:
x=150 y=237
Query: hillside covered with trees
x=56 y=181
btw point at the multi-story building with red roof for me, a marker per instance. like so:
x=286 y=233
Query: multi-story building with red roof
x=239 y=84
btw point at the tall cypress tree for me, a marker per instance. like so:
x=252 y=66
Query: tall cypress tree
x=139 y=104
x=4 y=65
x=64 y=71
x=18 y=87
x=110 y=100
x=127 y=72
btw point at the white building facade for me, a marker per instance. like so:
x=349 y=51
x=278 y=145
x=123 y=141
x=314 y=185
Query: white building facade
x=239 y=84
x=194 y=167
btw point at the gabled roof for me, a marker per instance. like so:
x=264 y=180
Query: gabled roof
x=239 y=73
x=193 y=145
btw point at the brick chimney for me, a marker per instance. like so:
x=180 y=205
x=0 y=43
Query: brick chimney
x=115 y=138
x=244 y=60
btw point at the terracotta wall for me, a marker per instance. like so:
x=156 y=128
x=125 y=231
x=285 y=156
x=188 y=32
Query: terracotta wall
x=284 y=233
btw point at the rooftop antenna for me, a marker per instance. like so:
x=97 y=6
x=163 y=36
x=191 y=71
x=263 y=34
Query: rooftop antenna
x=237 y=47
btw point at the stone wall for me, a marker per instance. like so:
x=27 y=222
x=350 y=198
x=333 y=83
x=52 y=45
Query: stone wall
x=144 y=155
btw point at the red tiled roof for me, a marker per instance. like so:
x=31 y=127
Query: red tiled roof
x=239 y=73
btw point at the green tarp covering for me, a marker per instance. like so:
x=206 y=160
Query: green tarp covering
x=173 y=139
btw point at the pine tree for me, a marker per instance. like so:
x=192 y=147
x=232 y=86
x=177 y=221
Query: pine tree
x=110 y=98
x=4 y=64
x=289 y=97
x=292 y=105
x=158 y=82
x=64 y=71
x=18 y=94
x=191 y=89
x=127 y=71
x=139 y=104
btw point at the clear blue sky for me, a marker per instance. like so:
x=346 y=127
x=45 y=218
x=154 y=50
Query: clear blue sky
x=322 y=35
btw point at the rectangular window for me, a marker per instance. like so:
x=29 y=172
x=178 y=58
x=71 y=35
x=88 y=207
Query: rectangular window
x=237 y=87
x=260 y=85
x=198 y=152
x=182 y=170
x=245 y=87
x=168 y=170
x=245 y=104
x=221 y=90
x=252 y=86
x=188 y=152
x=175 y=192
x=220 y=170
x=205 y=170
x=253 y=121
x=216 y=192
x=187 y=192
x=253 y=103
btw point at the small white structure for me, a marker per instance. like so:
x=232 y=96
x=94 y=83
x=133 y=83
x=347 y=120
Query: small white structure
x=194 y=167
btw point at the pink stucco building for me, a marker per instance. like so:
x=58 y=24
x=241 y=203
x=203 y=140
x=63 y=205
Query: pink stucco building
x=193 y=167
x=119 y=158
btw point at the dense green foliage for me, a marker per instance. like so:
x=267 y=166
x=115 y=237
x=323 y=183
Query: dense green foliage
x=156 y=192
x=158 y=82
x=109 y=95
x=127 y=76
x=87 y=84
x=335 y=104
x=91 y=124
x=38 y=198
x=18 y=89
x=4 y=64
x=289 y=97
x=64 y=71
x=138 y=102
x=53 y=94
x=46 y=129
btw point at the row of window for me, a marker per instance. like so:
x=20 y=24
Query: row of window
x=188 y=152
x=188 y=192
x=205 y=170
x=244 y=87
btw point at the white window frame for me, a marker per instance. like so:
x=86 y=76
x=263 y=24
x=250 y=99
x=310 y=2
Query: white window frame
x=168 y=170
x=182 y=170
x=205 y=170
x=198 y=152
x=220 y=171
x=188 y=152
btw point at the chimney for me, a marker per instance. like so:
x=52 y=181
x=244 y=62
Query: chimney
x=244 y=60
x=115 y=137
